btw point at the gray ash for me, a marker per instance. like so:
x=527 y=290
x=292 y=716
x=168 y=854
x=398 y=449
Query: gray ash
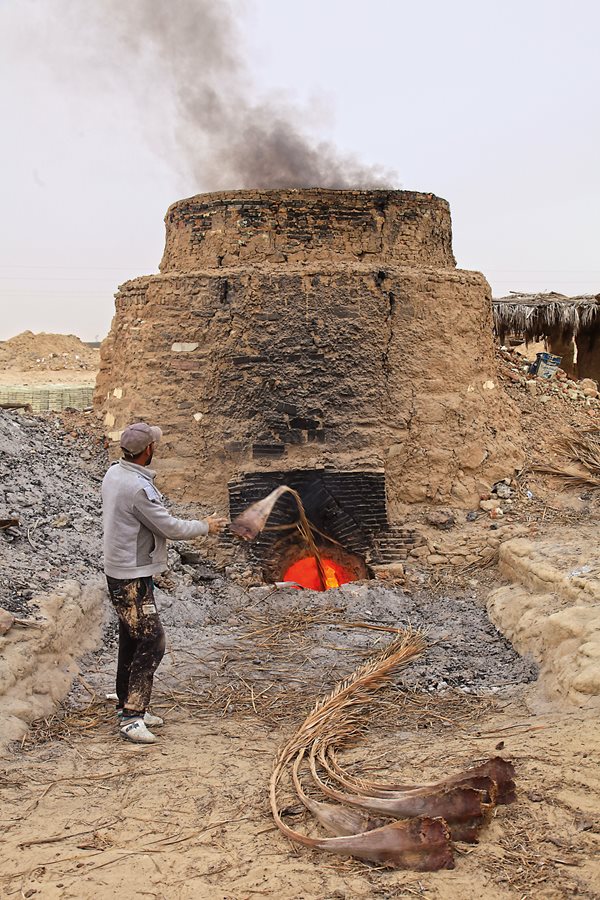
x=50 y=473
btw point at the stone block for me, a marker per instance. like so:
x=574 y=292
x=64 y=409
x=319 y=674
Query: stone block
x=184 y=347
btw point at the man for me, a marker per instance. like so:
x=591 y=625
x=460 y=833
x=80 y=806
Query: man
x=136 y=528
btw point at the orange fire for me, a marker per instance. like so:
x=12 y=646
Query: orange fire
x=305 y=573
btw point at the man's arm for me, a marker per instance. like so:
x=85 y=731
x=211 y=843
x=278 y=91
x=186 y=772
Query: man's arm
x=154 y=516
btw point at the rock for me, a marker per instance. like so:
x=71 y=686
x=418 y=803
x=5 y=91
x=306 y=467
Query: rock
x=61 y=521
x=588 y=384
x=185 y=347
x=190 y=557
x=436 y=559
x=389 y=572
x=440 y=518
x=544 y=398
x=419 y=552
x=6 y=621
x=502 y=490
x=532 y=388
x=472 y=516
x=488 y=505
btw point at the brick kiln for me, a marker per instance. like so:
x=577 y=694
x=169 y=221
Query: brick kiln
x=320 y=338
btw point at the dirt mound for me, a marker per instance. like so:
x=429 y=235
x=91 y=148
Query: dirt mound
x=47 y=352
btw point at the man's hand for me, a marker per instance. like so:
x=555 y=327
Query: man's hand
x=216 y=524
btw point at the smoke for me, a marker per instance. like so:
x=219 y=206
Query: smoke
x=189 y=52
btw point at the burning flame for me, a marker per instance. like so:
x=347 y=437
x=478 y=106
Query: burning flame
x=331 y=580
x=305 y=573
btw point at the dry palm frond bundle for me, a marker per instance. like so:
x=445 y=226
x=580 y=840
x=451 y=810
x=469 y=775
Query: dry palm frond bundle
x=340 y=719
x=391 y=824
x=582 y=449
x=572 y=475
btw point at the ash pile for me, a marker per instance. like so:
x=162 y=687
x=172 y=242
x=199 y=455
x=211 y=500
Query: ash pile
x=50 y=474
x=270 y=651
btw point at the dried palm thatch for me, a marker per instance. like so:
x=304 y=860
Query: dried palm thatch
x=582 y=449
x=535 y=316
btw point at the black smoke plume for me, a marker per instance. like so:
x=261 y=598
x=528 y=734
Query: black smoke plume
x=192 y=51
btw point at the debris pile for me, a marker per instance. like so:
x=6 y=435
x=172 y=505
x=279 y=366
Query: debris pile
x=513 y=369
x=471 y=547
x=49 y=498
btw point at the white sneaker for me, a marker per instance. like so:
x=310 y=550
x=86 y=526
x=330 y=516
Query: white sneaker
x=149 y=719
x=136 y=731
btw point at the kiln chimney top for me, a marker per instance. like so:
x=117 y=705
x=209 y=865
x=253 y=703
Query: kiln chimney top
x=299 y=227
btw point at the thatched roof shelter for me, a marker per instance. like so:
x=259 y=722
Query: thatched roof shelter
x=536 y=316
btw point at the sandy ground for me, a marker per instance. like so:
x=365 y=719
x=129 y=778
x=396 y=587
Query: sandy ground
x=45 y=378
x=85 y=815
x=89 y=816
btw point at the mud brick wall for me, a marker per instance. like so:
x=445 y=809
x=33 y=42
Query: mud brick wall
x=291 y=330
x=295 y=227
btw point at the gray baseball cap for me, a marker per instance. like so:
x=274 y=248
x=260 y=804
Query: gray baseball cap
x=138 y=436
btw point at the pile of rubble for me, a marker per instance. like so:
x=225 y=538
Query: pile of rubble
x=50 y=474
x=470 y=546
x=514 y=369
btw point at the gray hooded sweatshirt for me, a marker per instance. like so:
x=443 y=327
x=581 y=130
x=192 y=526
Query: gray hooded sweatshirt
x=136 y=523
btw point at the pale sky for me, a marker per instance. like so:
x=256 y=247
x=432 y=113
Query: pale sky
x=492 y=105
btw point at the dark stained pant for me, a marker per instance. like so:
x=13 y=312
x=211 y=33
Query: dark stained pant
x=141 y=641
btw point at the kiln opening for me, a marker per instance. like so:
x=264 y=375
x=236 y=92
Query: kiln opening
x=330 y=567
x=331 y=547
